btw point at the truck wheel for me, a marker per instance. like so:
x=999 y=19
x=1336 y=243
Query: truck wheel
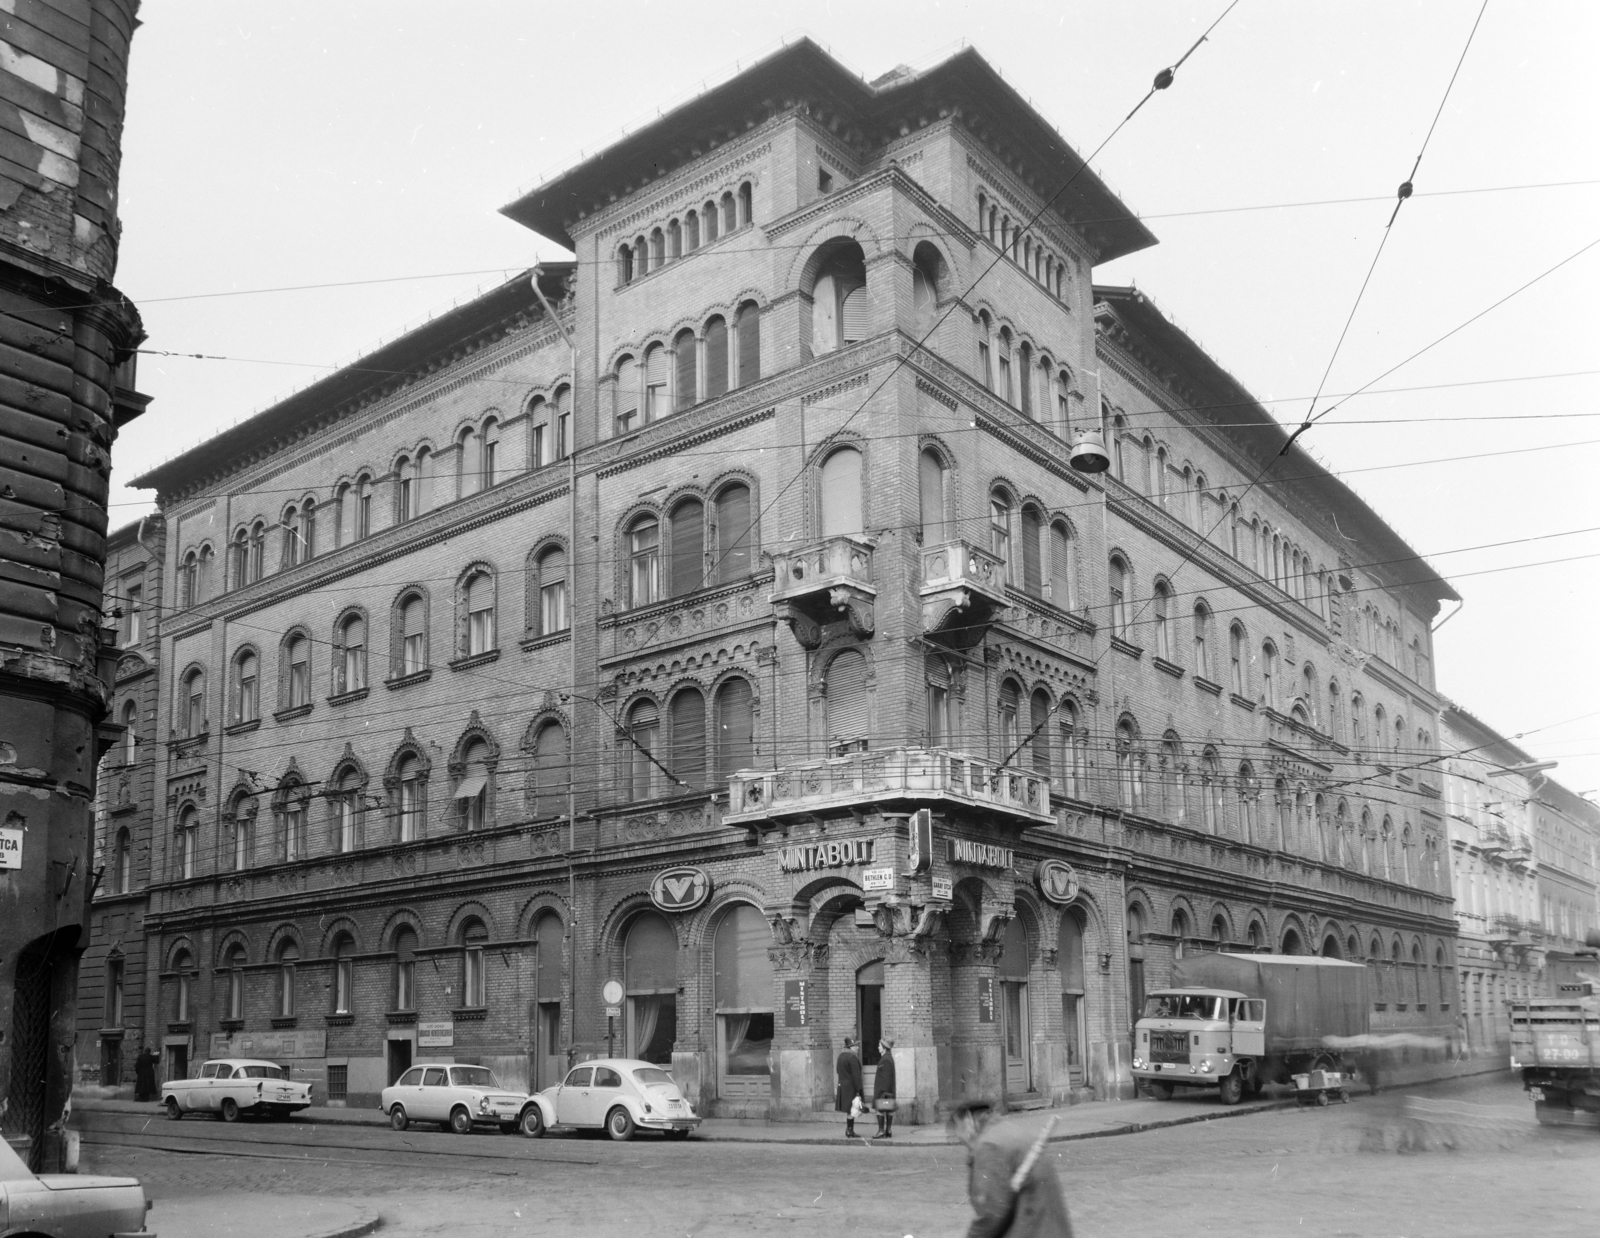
x=1161 y=1091
x=230 y=1109
x=1230 y=1088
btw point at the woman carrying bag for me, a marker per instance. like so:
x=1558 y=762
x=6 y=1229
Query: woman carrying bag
x=883 y=1089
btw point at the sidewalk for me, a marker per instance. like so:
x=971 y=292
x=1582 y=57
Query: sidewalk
x=1090 y=1120
x=260 y=1216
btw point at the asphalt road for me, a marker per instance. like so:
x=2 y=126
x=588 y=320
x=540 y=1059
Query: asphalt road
x=1458 y=1160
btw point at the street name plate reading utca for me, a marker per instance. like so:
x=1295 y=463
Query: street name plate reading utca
x=10 y=848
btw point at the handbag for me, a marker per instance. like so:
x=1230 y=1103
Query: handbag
x=886 y=1104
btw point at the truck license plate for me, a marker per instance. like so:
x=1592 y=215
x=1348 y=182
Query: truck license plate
x=1537 y=1094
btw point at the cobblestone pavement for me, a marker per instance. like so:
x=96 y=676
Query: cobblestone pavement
x=1460 y=1160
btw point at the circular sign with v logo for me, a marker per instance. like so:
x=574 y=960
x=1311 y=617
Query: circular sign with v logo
x=680 y=889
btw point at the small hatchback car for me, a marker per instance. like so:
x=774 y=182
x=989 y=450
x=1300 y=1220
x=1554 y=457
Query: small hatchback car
x=459 y=1098
x=619 y=1096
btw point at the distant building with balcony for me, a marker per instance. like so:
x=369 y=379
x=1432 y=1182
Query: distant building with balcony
x=521 y=665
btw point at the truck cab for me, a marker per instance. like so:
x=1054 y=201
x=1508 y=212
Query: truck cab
x=1200 y=1038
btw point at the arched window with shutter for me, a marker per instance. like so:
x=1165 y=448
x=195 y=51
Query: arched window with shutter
x=644 y=561
x=1039 y=732
x=550 y=572
x=639 y=745
x=650 y=980
x=716 y=357
x=1063 y=566
x=748 y=326
x=686 y=371
x=735 y=723
x=940 y=728
x=412 y=614
x=550 y=770
x=687 y=715
x=477 y=602
x=1000 y=532
x=841 y=274
x=1032 y=547
x=1025 y=378
x=1159 y=620
x=687 y=569
x=931 y=482
x=735 y=534
x=655 y=383
x=1119 y=596
x=1009 y=705
x=841 y=492
x=624 y=406
x=475 y=790
x=846 y=701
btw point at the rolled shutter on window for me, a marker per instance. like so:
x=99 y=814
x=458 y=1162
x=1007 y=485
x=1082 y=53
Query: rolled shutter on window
x=841 y=492
x=1032 y=569
x=550 y=770
x=688 y=717
x=735 y=548
x=1060 y=567
x=650 y=956
x=749 y=344
x=735 y=728
x=685 y=392
x=931 y=490
x=1069 y=953
x=688 y=547
x=655 y=366
x=716 y=358
x=855 y=317
x=743 y=969
x=547 y=934
x=847 y=696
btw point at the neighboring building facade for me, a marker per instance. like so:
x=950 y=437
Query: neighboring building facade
x=531 y=654
x=1566 y=844
x=67 y=336
x=112 y=973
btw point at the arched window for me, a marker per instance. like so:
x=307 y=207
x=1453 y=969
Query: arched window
x=550 y=569
x=1000 y=531
x=344 y=973
x=258 y=550
x=625 y=263
x=549 y=1064
x=691 y=232
x=841 y=493
x=292 y=538
x=475 y=788
x=413 y=625
x=674 y=240
x=188 y=580
x=687 y=715
x=469 y=462
x=735 y=533
x=1032 y=550
x=644 y=561
x=477 y=601
x=238 y=561
x=551 y=773
x=1181 y=930
x=1158 y=619
x=747 y=326
x=650 y=981
x=345 y=798
x=246 y=686
x=685 y=371
x=288 y=957
x=841 y=307
x=188 y=842
x=474 y=941
x=488 y=451
x=1039 y=732
x=931 y=496
x=936 y=672
x=129 y=743
x=1006 y=390
x=710 y=222
x=687 y=563
x=292 y=801
x=1210 y=792
x=242 y=816
x=405 y=968
x=350 y=655
x=747 y=210
x=658 y=249
x=413 y=798
x=1202 y=641
x=1283 y=802
x=192 y=714
x=655 y=383
x=122 y=862
x=926 y=266
x=1236 y=676
x=735 y=723
x=985 y=352
x=1119 y=597
x=1063 y=586
x=233 y=962
x=1009 y=704
x=716 y=357
x=846 y=702
x=1130 y=788
x=640 y=744
x=1025 y=378
x=1292 y=943
x=1248 y=830
x=624 y=407
x=1269 y=674
x=1074 y=745
x=742 y=992
x=297 y=682
x=363 y=512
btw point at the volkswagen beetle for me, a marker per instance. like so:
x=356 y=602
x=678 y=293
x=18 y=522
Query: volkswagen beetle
x=620 y=1096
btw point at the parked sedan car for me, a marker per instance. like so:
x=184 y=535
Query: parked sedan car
x=619 y=1096
x=68 y=1205
x=232 y=1087
x=459 y=1097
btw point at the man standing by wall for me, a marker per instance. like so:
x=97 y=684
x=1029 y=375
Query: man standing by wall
x=848 y=1069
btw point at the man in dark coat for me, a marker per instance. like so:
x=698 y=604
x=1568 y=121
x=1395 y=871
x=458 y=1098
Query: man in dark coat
x=883 y=1099
x=1012 y=1179
x=848 y=1068
x=144 y=1074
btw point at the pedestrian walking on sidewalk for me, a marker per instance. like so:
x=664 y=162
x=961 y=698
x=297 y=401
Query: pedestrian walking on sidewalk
x=144 y=1074
x=1012 y=1180
x=850 y=1097
x=883 y=1098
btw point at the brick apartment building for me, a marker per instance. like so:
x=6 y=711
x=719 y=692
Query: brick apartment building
x=534 y=652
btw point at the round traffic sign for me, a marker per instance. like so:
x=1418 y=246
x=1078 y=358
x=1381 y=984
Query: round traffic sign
x=612 y=992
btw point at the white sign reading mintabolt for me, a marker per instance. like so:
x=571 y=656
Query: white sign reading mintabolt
x=981 y=855
x=10 y=848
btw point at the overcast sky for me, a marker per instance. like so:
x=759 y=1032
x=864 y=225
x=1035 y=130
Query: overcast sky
x=294 y=143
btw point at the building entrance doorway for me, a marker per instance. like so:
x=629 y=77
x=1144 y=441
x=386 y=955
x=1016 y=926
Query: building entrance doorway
x=399 y=1059
x=1014 y=1032
x=178 y=1061
x=869 y=1019
x=549 y=1064
x=1069 y=954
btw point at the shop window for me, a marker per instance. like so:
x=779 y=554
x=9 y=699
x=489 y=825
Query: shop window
x=650 y=982
x=742 y=992
x=869 y=1011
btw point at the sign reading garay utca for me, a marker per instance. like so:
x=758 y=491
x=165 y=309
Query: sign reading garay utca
x=844 y=853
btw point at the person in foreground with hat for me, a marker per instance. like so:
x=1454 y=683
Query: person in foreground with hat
x=883 y=1098
x=1012 y=1182
x=849 y=1099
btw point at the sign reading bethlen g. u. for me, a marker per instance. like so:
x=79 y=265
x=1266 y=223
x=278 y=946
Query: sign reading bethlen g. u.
x=980 y=855
x=680 y=889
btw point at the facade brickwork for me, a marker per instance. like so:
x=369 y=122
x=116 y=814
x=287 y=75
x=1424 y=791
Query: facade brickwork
x=825 y=563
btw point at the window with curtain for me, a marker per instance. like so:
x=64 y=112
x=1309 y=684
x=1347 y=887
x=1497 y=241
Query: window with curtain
x=194 y=704
x=1000 y=532
x=299 y=654
x=489 y=450
x=624 y=398
x=247 y=673
x=716 y=357
x=294 y=823
x=650 y=981
x=1236 y=659
x=350 y=665
x=1006 y=391
x=188 y=842
x=184 y=966
x=686 y=568
x=258 y=550
x=473 y=788
x=1158 y=620
x=1269 y=674
x=655 y=383
x=841 y=283
x=363 y=511
x=414 y=635
x=644 y=561
x=123 y=864
x=937 y=675
x=552 y=569
x=550 y=770
x=1074 y=746
x=469 y=462
x=841 y=492
x=563 y=422
x=291 y=537
x=1010 y=703
x=344 y=974
x=288 y=957
x=932 y=498
x=735 y=721
x=742 y=987
x=411 y=799
x=1025 y=379
x=685 y=373
x=479 y=602
x=735 y=534
x=474 y=941
x=346 y=810
x=643 y=739
x=1032 y=547
x=845 y=690
x=405 y=969
x=1069 y=958
x=687 y=716
x=1119 y=597
x=234 y=963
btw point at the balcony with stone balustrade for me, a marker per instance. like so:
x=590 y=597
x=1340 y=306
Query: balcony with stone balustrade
x=963 y=591
x=817 y=584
